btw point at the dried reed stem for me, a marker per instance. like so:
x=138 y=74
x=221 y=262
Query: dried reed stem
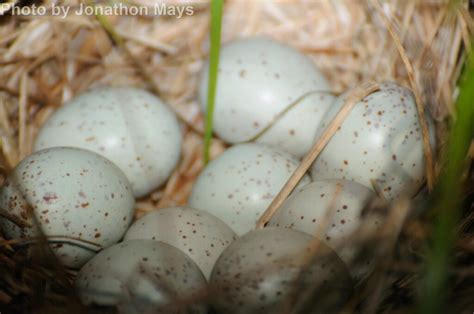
x=356 y=95
x=282 y=113
x=431 y=36
x=312 y=251
x=15 y=93
x=51 y=239
x=418 y=99
x=14 y=219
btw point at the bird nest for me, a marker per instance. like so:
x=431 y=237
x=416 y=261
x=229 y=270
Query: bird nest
x=45 y=60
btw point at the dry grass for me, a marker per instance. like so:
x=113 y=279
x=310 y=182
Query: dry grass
x=354 y=96
x=45 y=61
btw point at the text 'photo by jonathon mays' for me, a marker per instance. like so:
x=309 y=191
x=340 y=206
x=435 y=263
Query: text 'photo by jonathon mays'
x=237 y=156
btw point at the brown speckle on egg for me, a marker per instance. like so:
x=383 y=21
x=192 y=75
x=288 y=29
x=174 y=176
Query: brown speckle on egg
x=128 y=265
x=385 y=138
x=55 y=194
x=182 y=227
x=246 y=178
x=254 y=272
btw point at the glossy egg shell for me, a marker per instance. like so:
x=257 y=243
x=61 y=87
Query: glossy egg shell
x=257 y=272
x=129 y=126
x=75 y=195
x=333 y=211
x=141 y=276
x=258 y=79
x=197 y=233
x=379 y=144
x=239 y=185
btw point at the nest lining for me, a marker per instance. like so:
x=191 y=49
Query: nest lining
x=46 y=61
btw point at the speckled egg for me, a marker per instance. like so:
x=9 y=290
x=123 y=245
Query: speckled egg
x=257 y=272
x=75 y=196
x=197 y=233
x=331 y=210
x=238 y=186
x=141 y=276
x=379 y=145
x=129 y=126
x=258 y=79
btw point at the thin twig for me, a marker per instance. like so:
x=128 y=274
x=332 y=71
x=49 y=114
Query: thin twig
x=14 y=219
x=15 y=93
x=51 y=239
x=466 y=36
x=418 y=99
x=351 y=100
x=283 y=113
x=431 y=36
x=378 y=190
x=310 y=255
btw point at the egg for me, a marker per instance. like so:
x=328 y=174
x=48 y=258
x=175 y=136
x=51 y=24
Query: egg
x=239 y=185
x=197 y=233
x=331 y=210
x=141 y=276
x=379 y=144
x=258 y=79
x=81 y=201
x=257 y=272
x=129 y=126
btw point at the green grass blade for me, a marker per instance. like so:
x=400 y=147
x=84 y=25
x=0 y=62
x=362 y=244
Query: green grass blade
x=447 y=201
x=216 y=22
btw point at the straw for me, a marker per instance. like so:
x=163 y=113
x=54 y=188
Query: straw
x=356 y=95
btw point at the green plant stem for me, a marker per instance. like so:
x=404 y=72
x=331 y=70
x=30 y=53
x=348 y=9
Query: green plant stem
x=216 y=21
x=447 y=200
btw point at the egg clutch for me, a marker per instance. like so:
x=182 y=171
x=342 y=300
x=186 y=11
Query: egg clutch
x=109 y=146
